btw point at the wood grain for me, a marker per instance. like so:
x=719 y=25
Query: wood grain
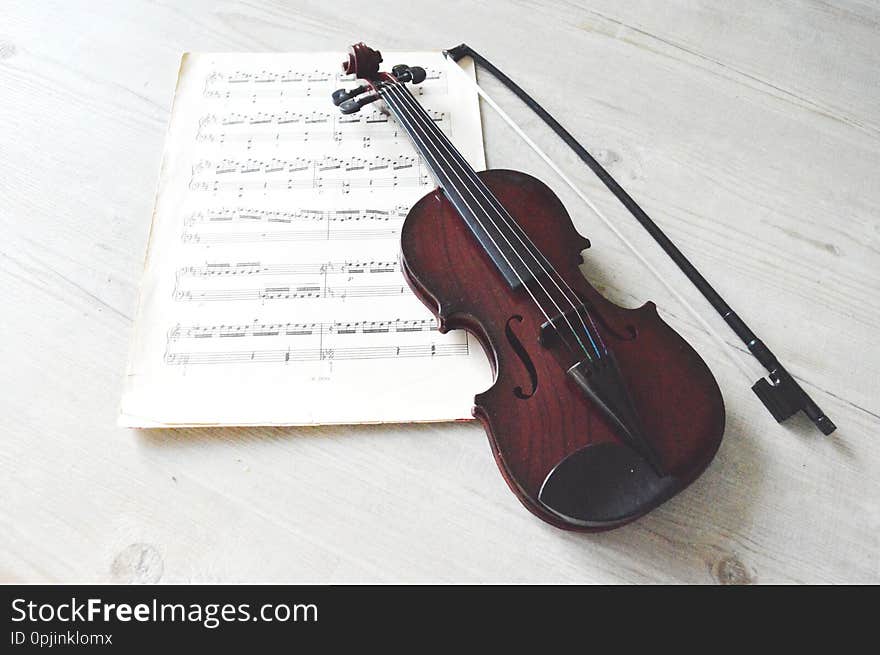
x=752 y=136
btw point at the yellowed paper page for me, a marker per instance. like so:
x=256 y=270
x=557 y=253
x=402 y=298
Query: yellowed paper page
x=272 y=293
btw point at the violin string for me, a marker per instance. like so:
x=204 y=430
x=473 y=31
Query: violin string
x=387 y=96
x=664 y=280
x=412 y=123
x=510 y=223
x=548 y=295
x=441 y=171
x=516 y=229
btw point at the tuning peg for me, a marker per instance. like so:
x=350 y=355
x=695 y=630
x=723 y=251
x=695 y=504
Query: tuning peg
x=341 y=95
x=414 y=74
x=354 y=104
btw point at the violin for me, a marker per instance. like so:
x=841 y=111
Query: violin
x=597 y=413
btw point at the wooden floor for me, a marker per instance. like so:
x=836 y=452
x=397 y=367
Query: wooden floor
x=753 y=137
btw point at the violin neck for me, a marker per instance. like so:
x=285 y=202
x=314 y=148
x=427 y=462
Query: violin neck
x=472 y=199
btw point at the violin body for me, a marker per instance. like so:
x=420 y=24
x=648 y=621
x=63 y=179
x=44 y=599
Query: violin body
x=597 y=414
x=559 y=453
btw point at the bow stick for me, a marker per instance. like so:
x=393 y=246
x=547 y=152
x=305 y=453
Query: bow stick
x=779 y=391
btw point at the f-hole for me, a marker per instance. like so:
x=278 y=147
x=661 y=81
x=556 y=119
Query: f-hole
x=523 y=355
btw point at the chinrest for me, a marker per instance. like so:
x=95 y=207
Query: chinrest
x=603 y=485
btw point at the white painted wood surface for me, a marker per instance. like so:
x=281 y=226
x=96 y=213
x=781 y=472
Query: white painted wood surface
x=752 y=136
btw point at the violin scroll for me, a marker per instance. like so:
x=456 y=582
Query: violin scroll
x=363 y=62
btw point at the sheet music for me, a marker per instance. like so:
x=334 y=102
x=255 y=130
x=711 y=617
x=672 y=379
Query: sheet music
x=272 y=292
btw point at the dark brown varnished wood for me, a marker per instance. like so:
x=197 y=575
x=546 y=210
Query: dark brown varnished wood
x=672 y=389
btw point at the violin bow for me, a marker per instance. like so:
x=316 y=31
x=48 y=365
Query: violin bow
x=780 y=393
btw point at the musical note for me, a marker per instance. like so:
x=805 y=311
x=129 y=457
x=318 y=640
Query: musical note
x=275 y=242
x=295 y=83
x=318 y=291
x=329 y=172
x=318 y=354
x=301 y=329
x=255 y=268
x=282 y=129
x=253 y=215
x=289 y=235
x=327 y=225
